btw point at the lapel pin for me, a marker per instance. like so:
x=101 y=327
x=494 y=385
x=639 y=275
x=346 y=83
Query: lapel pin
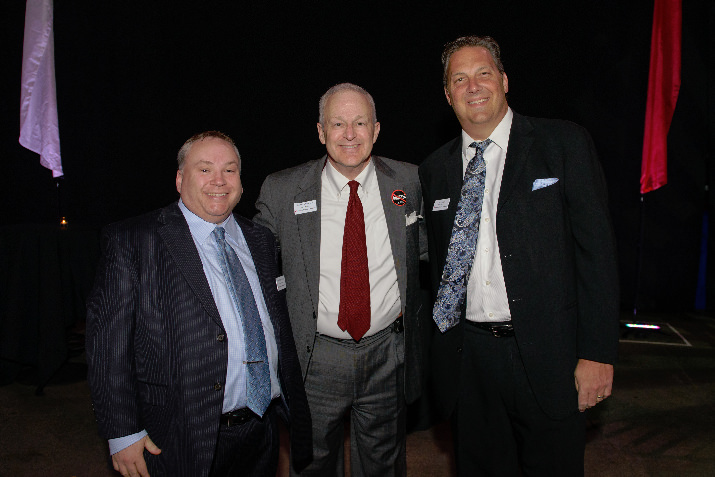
x=399 y=197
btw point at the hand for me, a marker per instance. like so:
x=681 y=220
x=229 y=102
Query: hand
x=130 y=460
x=594 y=381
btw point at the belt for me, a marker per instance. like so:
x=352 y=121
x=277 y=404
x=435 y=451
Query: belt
x=397 y=325
x=241 y=416
x=498 y=329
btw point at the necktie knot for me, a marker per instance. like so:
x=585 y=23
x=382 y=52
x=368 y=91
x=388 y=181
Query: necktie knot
x=476 y=164
x=481 y=146
x=353 y=186
x=220 y=233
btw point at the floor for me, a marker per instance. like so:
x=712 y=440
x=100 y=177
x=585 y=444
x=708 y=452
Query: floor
x=660 y=420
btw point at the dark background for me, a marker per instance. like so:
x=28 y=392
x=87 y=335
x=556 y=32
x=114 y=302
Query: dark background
x=136 y=79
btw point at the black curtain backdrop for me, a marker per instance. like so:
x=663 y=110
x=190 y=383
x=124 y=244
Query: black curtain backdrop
x=136 y=79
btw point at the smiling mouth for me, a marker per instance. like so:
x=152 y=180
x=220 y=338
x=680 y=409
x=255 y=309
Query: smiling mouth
x=217 y=194
x=478 y=101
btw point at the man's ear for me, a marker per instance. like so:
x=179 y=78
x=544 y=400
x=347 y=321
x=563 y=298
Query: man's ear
x=321 y=133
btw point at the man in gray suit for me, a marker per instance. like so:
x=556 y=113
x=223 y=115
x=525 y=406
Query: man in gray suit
x=352 y=290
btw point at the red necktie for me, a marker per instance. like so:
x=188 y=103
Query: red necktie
x=354 y=313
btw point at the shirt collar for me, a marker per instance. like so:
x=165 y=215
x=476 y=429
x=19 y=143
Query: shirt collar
x=337 y=183
x=201 y=230
x=500 y=135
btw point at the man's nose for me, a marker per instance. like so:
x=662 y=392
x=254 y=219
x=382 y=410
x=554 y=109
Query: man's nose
x=474 y=85
x=349 y=132
x=218 y=178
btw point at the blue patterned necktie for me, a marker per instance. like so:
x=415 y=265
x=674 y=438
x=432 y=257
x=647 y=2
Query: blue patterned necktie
x=460 y=254
x=259 y=377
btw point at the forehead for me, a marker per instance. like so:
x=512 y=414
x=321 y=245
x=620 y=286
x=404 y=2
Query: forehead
x=347 y=101
x=212 y=149
x=470 y=56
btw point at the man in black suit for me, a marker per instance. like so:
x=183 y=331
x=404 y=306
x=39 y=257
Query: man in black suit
x=176 y=292
x=527 y=291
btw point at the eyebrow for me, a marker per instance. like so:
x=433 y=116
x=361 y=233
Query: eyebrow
x=340 y=118
x=204 y=161
x=481 y=68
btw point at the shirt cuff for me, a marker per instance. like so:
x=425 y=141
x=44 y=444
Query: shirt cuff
x=120 y=443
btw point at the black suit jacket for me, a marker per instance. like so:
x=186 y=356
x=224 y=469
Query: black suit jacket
x=557 y=251
x=156 y=347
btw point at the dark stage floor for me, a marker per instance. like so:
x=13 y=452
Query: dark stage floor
x=660 y=420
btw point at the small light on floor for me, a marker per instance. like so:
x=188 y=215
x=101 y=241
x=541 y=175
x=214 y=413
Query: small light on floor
x=639 y=325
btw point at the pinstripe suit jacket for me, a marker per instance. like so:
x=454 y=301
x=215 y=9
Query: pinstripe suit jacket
x=299 y=239
x=156 y=347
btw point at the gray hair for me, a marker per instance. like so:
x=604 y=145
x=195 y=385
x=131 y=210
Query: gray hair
x=339 y=88
x=485 y=42
x=181 y=157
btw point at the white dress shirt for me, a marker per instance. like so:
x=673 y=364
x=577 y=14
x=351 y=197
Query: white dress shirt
x=385 y=304
x=486 y=293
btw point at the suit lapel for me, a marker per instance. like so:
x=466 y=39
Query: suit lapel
x=261 y=255
x=175 y=233
x=520 y=140
x=396 y=221
x=454 y=177
x=309 y=227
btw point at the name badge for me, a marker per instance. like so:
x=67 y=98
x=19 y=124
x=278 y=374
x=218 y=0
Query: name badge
x=440 y=204
x=305 y=207
x=281 y=282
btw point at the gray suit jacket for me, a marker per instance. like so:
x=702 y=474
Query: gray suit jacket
x=299 y=238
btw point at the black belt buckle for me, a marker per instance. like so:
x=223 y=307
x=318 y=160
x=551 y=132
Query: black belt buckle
x=397 y=325
x=236 y=417
x=502 y=331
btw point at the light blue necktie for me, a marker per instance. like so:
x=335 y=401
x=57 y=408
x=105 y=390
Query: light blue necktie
x=259 y=377
x=460 y=254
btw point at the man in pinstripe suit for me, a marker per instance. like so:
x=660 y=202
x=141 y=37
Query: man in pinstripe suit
x=165 y=347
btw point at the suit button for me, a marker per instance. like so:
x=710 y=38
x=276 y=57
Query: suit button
x=217 y=386
x=307 y=348
x=459 y=350
x=221 y=337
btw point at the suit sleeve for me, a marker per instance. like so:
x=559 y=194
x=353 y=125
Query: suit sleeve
x=266 y=205
x=109 y=343
x=595 y=253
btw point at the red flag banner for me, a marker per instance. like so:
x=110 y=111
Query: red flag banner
x=663 y=87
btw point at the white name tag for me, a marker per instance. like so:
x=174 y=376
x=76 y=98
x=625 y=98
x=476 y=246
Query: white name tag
x=440 y=204
x=281 y=282
x=305 y=207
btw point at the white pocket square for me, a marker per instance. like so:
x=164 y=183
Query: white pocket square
x=412 y=218
x=541 y=183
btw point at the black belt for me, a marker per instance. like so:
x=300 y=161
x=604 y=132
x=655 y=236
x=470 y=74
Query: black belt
x=498 y=329
x=241 y=416
x=397 y=325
